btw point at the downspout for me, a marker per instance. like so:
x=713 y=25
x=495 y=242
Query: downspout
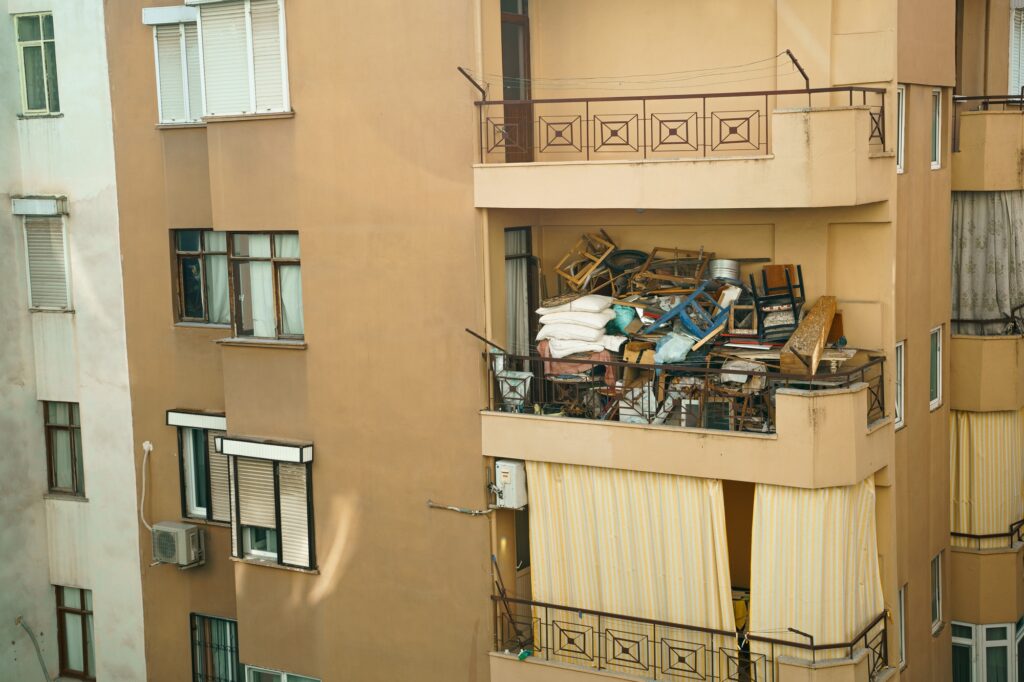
x=20 y=620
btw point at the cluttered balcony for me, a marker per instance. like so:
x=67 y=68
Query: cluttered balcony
x=988 y=143
x=761 y=149
x=670 y=360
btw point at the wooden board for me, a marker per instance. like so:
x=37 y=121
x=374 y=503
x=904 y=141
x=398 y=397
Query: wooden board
x=803 y=351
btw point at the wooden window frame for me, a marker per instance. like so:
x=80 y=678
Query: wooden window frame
x=191 y=117
x=900 y=376
x=74 y=426
x=179 y=285
x=86 y=615
x=41 y=44
x=234 y=263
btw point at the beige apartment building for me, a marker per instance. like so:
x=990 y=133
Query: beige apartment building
x=314 y=207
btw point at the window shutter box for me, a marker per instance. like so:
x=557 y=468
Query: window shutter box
x=225 y=58
x=47 y=267
x=256 y=493
x=294 y=515
x=172 y=90
x=219 y=487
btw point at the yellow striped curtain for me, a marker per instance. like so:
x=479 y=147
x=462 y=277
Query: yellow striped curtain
x=986 y=472
x=813 y=565
x=629 y=543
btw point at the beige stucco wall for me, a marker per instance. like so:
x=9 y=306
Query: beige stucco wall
x=987 y=586
x=991 y=156
x=987 y=373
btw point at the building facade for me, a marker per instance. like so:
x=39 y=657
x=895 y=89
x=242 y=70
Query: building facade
x=68 y=491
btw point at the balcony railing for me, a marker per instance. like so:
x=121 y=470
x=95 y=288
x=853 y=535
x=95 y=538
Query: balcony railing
x=1008 y=540
x=966 y=103
x=686 y=395
x=651 y=126
x=662 y=650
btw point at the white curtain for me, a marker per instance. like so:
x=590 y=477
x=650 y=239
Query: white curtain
x=517 y=302
x=290 y=284
x=261 y=287
x=813 y=566
x=629 y=543
x=217 y=278
x=988 y=259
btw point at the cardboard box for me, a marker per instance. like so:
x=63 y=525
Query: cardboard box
x=642 y=353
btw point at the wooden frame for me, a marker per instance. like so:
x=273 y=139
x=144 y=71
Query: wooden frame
x=179 y=282
x=62 y=639
x=73 y=429
x=234 y=274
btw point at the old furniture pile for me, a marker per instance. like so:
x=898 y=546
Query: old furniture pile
x=674 y=336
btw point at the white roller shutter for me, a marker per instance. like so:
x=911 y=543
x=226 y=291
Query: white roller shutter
x=256 y=493
x=225 y=58
x=195 y=88
x=266 y=54
x=1016 y=48
x=47 y=264
x=220 y=505
x=171 y=85
x=294 y=514
x=232 y=499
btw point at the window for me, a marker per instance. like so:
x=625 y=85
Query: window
x=902 y=607
x=204 y=476
x=901 y=126
x=214 y=649
x=64 y=448
x=900 y=383
x=274 y=519
x=179 y=90
x=75 y=633
x=935 y=368
x=936 y=592
x=1020 y=650
x=244 y=57
x=1017 y=51
x=253 y=674
x=46 y=255
x=997 y=653
x=201 y=260
x=37 y=61
x=936 y=128
x=963 y=652
x=267 y=286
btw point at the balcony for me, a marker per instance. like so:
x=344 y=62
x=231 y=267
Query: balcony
x=702 y=419
x=720 y=150
x=989 y=143
x=988 y=576
x=987 y=373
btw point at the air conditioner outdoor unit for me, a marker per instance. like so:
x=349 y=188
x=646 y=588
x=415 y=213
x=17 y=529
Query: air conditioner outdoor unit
x=176 y=543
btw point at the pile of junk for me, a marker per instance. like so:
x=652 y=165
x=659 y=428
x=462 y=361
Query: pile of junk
x=675 y=336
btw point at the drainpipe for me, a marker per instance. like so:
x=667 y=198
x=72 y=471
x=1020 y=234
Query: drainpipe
x=35 y=643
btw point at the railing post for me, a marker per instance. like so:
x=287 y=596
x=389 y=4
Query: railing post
x=704 y=125
x=586 y=122
x=643 y=121
x=600 y=640
x=550 y=634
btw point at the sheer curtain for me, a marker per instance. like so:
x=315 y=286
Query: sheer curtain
x=290 y=284
x=517 y=301
x=261 y=280
x=217 y=303
x=813 y=565
x=60 y=443
x=629 y=543
x=988 y=259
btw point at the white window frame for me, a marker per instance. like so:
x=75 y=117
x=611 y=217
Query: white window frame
x=19 y=44
x=250 y=553
x=190 y=117
x=67 y=265
x=286 y=99
x=902 y=613
x=934 y=404
x=281 y=676
x=936 y=591
x=971 y=644
x=899 y=402
x=901 y=127
x=188 y=454
x=983 y=645
x=936 y=152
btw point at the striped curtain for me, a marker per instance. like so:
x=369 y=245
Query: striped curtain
x=629 y=543
x=986 y=472
x=813 y=566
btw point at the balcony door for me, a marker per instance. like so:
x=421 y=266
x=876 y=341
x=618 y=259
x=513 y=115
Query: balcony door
x=515 y=67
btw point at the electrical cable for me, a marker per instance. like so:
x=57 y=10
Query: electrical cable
x=147 y=448
x=460 y=510
x=20 y=620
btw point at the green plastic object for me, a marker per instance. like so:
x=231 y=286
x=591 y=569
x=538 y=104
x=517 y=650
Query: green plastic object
x=525 y=654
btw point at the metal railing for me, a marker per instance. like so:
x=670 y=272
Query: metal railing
x=663 y=650
x=1008 y=325
x=1007 y=540
x=683 y=395
x=968 y=103
x=717 y=124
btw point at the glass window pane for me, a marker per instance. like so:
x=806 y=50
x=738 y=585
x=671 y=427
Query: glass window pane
x=290 y=289
x=28 y=28
x=962 y=671
x=252 y=245
x=286 y=245
x=60 y=444
x=73 y=413
x=1020 y=660
x=299 y=678
x=90 y=645
x=513 y=60
x=217 y=295
x=962 y=632
x=51 y=77
x=35 y=86
x=80 y=482
x=996 y=634
x=48 y=26
x=73 y=641
x=87 y=600
x=997 y=664
x=215 y=241
x=263 y=676
x=192 y=287
x=187 y=240
x=198 y=467
x=933 y=386
x=72 y=597
x=58 y=413
x=254 y=289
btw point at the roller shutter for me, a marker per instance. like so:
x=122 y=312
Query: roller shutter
x=295 y=526
x=47 y=266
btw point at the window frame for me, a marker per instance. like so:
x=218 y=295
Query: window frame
x=936 y=592
x=970 y=643
x=201 y=620
x=936 y=151
x=286 y=100
x=234 y=263
x=67 y=264
x=62 y=644
x=41 y=43
x=281 y=675
x=189 y=510
x=900 y=369
x=936 y=402
x=249 y=552
x=74 y=426
x=983 y=645
x=179 y=282
x=190 y=118
x=901 y=605
x=901 y=127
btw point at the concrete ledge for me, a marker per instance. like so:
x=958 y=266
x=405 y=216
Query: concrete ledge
x=987 y=373
x=837 y=670
x=991 y=149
